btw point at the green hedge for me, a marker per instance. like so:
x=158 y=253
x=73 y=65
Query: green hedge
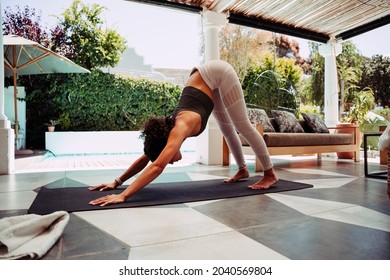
x=94 y=102
x=269 y=90
x=272 y=84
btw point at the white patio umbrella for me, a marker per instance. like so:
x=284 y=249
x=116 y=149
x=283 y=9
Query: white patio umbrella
x=26 y=57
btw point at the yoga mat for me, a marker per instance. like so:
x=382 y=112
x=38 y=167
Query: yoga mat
x=73 y=199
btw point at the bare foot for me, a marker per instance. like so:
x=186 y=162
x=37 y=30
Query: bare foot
x=266 y=182
x=241 y=174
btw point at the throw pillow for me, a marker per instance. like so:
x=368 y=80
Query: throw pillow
x=315 y=123
x=287 y=122
x=260 y=116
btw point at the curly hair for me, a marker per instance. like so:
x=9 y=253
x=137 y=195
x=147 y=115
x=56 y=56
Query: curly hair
x=155 y=135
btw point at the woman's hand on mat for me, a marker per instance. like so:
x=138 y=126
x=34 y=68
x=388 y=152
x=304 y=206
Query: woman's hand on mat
x=104 y=187
x=108 y=199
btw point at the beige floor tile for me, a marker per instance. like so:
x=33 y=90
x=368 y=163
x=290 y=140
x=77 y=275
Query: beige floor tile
x=327 y=183
x=222 y=246
x=153 y=225
x=16 y=200
x=360 y=216
x=308 y=206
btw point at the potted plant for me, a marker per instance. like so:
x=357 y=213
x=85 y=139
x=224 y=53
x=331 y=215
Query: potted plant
x=51 y=125
x=363 y=102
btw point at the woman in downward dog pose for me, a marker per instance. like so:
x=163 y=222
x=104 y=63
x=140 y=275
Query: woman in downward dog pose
x=213 y=87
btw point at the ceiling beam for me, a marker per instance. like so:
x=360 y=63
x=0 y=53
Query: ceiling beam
x=278 y=28
x=364 y=28
x=168 y=4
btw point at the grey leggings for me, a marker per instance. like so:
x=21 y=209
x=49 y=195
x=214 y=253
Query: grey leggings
x=230 y=111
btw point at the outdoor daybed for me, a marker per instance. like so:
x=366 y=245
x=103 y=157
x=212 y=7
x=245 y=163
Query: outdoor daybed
x=286 y=135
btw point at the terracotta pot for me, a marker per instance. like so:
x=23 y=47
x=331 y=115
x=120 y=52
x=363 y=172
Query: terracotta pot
x=346 y=128
x=51 y=128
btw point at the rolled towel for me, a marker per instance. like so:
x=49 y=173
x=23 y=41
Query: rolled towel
x=30 y=236
x=384 y=139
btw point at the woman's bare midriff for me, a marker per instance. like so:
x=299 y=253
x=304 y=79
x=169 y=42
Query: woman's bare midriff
x=196 y=81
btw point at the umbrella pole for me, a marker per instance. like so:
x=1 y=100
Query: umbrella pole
x=16 y=109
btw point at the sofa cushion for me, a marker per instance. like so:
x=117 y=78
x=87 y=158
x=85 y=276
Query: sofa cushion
x=287 y=122
x=259 y=116
x=307 y=139
x=315 y=123
x=275 y=139
x=304 y=125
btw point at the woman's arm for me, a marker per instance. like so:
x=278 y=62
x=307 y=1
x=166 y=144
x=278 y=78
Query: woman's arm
x=175 y=139
x=133 y=169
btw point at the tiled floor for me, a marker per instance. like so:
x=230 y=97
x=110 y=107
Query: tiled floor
x=345 y=215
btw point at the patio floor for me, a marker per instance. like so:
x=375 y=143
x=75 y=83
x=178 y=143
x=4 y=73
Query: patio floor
x=344 y=217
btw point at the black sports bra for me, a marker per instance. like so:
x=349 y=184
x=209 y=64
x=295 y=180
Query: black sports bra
x=195 y=100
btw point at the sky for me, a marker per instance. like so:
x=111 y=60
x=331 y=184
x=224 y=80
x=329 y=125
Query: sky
x=155 y=34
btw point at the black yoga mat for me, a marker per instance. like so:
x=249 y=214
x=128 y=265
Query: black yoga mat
x=73 y=199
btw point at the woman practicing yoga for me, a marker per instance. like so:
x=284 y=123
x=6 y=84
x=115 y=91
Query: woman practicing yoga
x=213 y=87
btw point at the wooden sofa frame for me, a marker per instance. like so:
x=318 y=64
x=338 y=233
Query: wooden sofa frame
x=298 y=150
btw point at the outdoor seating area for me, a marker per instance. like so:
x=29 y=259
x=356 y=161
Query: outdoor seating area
x=306 y=141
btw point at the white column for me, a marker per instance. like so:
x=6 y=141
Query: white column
x=331 y=98
x=2 y=115
x=212 y=24
x=7 y=147
x=209 y=143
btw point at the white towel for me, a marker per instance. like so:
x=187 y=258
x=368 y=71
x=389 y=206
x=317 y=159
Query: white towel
x=384 y=139
x=30 y=236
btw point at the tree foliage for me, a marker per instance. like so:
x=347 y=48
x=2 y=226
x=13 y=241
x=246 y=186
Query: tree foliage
x=92 y=46
x=376 y=75
x=273 y=83
x=245 y=47
x=349 y=72
x=349 y=64
x=241 y=47
x=314 y=90
x=364 y=102
x=285 y=47
x=25 y=23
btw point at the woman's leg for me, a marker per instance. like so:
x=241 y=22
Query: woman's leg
x=231 y=137
x=232 y=97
